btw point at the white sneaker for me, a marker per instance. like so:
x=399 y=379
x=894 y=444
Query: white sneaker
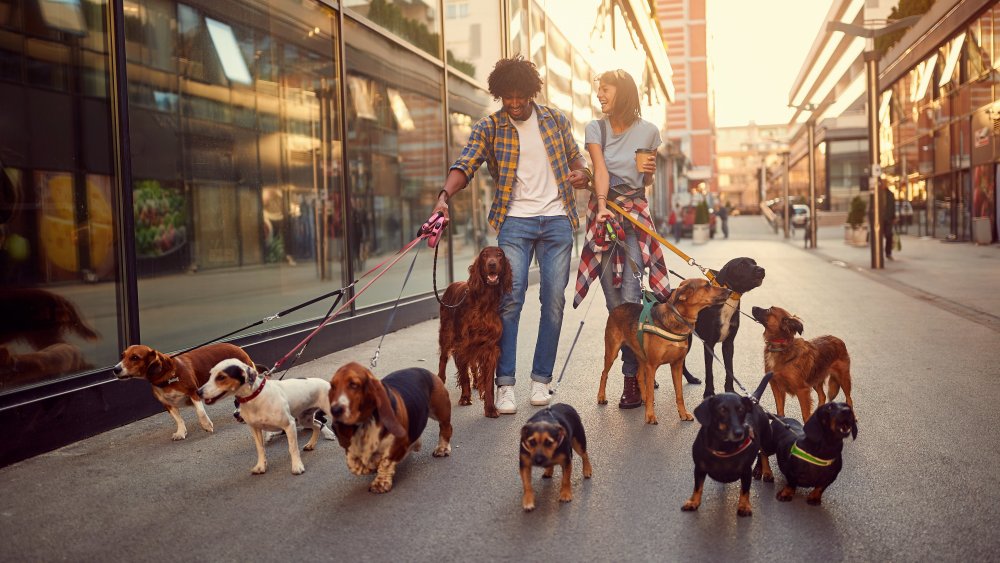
x=540 y=394
x=506 y=403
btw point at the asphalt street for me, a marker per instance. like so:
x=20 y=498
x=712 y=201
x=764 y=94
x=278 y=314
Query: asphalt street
x=918 y=484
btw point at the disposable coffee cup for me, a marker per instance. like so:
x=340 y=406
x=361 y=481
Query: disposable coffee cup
x=642 y=156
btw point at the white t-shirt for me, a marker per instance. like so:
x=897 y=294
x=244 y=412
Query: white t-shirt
x=536 y=193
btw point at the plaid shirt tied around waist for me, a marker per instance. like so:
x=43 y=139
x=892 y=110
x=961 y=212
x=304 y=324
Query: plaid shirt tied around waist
x=494 y=141
x=597 y=243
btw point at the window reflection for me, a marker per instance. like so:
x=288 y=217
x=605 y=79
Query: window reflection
x=396 y=155
x=416 y=22
x=235 y=152
x=58 y=313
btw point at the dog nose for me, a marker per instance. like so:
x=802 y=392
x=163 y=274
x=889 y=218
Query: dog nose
x=539 y=459
x=117 y=370
x=337 y=411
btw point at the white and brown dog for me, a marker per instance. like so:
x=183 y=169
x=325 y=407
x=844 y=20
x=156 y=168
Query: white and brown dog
x=379 y=422
x=175 y=380
x=272 y=405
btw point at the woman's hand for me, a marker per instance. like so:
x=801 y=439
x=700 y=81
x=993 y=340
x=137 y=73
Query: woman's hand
x=603 y=215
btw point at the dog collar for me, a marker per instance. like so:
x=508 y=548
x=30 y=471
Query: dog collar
x=746 y=444
x=253 y=395
x=808 y=457
x=166 y=383
x=776 y=345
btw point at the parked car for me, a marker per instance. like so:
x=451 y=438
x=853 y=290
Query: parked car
x=687 y=221
x=800 y=215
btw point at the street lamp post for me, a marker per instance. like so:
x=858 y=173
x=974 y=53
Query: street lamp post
x=871 y=69
x=787 y=215
x=811 y=225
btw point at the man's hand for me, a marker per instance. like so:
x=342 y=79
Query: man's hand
x=442 y=206
x=603 y=215
x=579 y=179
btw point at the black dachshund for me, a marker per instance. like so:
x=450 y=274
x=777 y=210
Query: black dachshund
x=720 y=323
x=810 y=456
x=734 y=432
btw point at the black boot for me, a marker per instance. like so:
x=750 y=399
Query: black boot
x=630 y=395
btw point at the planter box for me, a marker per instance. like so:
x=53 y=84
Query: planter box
x=856 y=236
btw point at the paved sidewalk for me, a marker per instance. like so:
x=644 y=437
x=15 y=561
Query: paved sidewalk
x=954 y=276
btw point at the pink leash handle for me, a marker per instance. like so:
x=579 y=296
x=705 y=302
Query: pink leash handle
x=433 y=229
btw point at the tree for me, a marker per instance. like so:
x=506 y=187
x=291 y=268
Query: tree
x=905 y=8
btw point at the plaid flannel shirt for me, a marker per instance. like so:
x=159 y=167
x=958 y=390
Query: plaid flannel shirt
x=494 y=141
x=596 y=244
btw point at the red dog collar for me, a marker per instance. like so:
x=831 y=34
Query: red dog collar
x=746 y=444
x=776 y=345
x=253 y=395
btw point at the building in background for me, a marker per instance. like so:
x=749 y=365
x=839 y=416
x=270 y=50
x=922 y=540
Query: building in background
x=743 y=153
x=235 y=158
x=691 y=117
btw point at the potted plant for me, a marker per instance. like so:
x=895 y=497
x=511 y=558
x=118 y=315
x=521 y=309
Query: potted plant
x=699 y=233
x=856 y=231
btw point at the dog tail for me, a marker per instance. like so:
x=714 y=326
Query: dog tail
x=763 y=385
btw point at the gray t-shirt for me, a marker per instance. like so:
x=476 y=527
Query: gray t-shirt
x=619 y=150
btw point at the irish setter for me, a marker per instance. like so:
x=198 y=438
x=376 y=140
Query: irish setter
x=470 y=332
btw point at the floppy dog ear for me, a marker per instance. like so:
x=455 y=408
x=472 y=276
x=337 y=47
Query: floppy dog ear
x=749 y=405
x=506 y=276
x=814 y=426
x=476 y=275
x=703 y=412
x=854 y=426
x=156 y=366
x=792 y=324
x=562 y=436
x=385 y=413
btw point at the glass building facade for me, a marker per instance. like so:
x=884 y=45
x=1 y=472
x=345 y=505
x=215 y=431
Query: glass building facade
x=174 y=170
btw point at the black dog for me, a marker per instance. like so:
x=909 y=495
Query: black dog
x=546 y=440
x=810 y=456
x=734 y=432
x=720 y=323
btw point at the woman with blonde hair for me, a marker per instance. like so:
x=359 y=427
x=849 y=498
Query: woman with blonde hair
x=622 y=148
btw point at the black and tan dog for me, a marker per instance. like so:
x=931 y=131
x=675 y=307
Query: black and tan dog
x=662 y=340
x=549 y=438
x=379 y=422
x=810 y=455
x=720 y=323
x=734 y=432
x=801 y=365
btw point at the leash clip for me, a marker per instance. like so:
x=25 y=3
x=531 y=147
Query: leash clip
x=432 y=229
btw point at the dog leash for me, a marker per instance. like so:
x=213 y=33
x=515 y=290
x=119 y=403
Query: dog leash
x=434 y=272
x=392 y=315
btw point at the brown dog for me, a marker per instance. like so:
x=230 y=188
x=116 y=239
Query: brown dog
x=176 y=380
x=29 y=367
x=801 y=365
x=471 y=327
x=673 y=321
x=379 y=422
x=40 y=317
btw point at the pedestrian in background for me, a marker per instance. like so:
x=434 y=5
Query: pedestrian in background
x=887 y=216
x=723 y=214
x=675 y=222
x=622 y=148
x=529 y=150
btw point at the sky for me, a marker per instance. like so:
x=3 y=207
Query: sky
x=758 y=47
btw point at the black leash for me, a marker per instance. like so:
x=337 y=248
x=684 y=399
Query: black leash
x=388 y=323
x=339 y=293
x=434 y=279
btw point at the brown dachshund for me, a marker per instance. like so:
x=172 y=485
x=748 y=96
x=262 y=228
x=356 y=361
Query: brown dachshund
x=378 y=423
x=801 y=365
x=674 y=321
x=471 y=328
x=176 y=380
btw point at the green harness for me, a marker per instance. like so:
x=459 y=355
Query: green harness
x=646 y=324
x=808 y=457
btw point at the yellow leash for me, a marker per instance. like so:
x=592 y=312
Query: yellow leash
x=687 y=259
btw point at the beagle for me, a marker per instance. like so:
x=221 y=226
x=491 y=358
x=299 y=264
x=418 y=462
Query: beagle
x=272 y=405
x=176 y=380
x=379 y=422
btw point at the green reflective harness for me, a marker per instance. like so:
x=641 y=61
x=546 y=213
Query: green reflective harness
x=646 y=324
x=808 y=457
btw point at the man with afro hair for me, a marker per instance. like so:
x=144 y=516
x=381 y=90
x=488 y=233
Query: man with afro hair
x=530 y=152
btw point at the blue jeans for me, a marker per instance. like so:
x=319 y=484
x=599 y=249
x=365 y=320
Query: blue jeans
x=629 y=292
x=521 y=238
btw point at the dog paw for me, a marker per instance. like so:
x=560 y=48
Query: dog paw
x=769 y=478
x=744 y=512
x=259 y=469
x=327 y=433
x=686 y=416
x=178 y=436
x=814 y=501
x=785 y=495
x=298 y=468
x=566 y=497
x=309 y=447
x=602 y=400
x=442 y=451
x=651 y=419
x=380 y=486
x=464 y=401
x=210 y=428
x=491 y=413
x=690 y=506
x=528 y=506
